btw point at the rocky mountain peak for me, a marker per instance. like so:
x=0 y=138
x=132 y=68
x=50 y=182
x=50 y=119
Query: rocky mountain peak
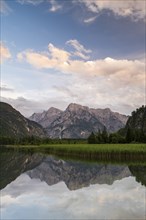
x=107 y=110
x=46 y=117
x=75 y=107
x=79 y=121
x=52 y=109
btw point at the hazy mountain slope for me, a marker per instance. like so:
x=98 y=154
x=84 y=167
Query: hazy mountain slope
x=113 y=121
x=13 y=124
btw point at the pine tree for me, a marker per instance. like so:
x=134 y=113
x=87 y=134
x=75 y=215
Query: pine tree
x=129 y=135
x=104 y=135
x=92 y=139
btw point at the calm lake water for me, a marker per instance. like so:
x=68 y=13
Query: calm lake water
x=39 y=186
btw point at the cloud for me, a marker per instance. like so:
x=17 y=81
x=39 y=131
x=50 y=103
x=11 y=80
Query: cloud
x=58 y=54
x=59 y=59
x=80 y=50
x=25 y=106
x=90 y=20
x=78 y=46
x=28 y=106
x=129 y=8
x=4 y=8
x=110 y=82
x=54 y=6
x=124 y=199
x=4 y=52
x=56 y=57
x=4 y=88
x=32 y=2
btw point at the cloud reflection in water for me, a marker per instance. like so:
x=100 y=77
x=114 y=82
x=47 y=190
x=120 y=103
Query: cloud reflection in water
x=27 y=198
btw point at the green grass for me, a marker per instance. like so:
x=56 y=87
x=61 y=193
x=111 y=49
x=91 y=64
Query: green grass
x=94 y=148
x=90 y=148
x=103 y=152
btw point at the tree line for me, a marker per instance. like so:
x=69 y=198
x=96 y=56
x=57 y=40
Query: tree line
x=100 y=137
x=130 y=136
x=34 y=140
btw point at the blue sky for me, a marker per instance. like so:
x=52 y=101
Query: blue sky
x=57 y=52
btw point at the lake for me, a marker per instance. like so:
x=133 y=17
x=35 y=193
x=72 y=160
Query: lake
x=41 y=186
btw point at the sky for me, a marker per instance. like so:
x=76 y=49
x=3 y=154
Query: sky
x=57 y=52
x=124 y=199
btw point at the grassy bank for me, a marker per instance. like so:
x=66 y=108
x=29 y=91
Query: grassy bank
x=118 y=152
x=94 y=148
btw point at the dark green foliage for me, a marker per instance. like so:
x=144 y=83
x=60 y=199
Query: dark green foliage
x=7 y=140
x=116 y=138
x=129 y=135
x=135 y=129
x=140 y=173
x=34 y=140
x=104 y=135
x=99 y=137
x=92 y=139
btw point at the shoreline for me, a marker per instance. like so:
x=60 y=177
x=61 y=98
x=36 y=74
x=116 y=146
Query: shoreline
x=104 y=152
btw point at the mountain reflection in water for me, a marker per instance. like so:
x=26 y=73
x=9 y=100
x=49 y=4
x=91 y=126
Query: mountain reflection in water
x=64 y=189
x=76 y=174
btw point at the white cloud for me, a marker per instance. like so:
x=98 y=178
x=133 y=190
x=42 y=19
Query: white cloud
x=32 y=2
x=110 y=82
x=90 y=20
x=54 y=6
x=58 y=54
x=26 y=106
x=4 y=52
x=5 y=88
x=78 y=46
x=61 y=60
x=4 y=8
x=129 y=8
x=80 y=50
x=57 y=57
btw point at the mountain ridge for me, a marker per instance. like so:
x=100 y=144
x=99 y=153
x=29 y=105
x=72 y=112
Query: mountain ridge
x=14 y=124
x=78 y=121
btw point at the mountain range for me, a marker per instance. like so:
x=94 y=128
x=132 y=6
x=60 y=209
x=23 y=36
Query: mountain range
x=75 y=122
x=78 y=121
